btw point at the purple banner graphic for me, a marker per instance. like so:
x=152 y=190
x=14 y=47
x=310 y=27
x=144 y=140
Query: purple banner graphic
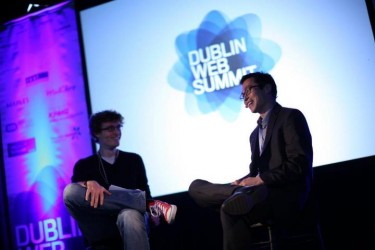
x=44 y=124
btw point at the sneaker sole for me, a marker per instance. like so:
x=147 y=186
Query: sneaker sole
x=172 y=214
x=238 y=205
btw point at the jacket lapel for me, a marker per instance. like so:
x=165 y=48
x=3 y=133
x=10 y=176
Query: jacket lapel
x=254 y=142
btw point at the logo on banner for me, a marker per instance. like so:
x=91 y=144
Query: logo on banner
x=17 y=103
x=21 y=147
x=61 y=90
x=214 y=57
x=36 y=78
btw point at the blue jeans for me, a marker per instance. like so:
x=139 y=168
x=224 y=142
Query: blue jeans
x=123 y=213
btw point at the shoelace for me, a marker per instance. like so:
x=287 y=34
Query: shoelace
x=155 y=210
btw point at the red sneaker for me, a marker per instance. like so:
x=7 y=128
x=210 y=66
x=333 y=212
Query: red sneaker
x=158 y=208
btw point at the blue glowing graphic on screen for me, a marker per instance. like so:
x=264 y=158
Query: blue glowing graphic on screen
x=214 y=57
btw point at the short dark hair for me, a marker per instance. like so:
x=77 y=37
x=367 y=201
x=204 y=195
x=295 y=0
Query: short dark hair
x=262 y=79
x=97 y=119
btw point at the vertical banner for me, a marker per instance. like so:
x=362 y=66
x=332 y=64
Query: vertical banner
x=44 y=124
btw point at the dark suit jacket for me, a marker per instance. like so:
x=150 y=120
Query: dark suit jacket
x=285 y=165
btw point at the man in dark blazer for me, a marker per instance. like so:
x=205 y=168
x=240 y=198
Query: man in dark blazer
x=280 y=177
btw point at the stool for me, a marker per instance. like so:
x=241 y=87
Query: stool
x=264 y=241
x=304 y=233
x=293 y=238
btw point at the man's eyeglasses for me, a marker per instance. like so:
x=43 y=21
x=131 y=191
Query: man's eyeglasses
x=112 y=128
x=247 y=91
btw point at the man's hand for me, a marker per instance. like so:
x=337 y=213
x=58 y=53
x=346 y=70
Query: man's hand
x=95 y=193
x=249 y=181
x=236 y=182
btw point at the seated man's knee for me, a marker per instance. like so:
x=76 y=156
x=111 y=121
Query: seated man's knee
x=72 y=192
x=194 y=187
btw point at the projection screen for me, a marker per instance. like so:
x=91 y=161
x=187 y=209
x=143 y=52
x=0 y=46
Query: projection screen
x=172 y=69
